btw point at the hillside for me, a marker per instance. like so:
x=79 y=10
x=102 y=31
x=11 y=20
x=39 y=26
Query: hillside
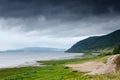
x=97 y=43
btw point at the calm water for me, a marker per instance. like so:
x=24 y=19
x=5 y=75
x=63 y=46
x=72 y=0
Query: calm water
x=14 y=59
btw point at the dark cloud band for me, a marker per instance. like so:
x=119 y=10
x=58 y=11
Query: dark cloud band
x=67 y=16
x=58 y=8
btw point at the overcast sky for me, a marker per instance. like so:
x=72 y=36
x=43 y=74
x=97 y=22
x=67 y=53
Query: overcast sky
x=55 y=23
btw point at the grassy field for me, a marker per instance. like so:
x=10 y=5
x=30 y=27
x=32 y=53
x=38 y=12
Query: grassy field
x=55 y=70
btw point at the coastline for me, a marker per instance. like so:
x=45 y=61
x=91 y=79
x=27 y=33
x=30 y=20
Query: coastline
x=36 y=63
x=55 y=69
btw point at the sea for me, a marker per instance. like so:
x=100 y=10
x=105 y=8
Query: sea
x=13 y=59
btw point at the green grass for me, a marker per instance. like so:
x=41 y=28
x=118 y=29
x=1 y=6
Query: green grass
x=55 y=70
x=41 y=73
x=85 y=58
x=111 y=76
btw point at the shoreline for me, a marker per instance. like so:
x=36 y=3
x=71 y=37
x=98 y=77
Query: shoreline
x=36 y=63
x=57 y=68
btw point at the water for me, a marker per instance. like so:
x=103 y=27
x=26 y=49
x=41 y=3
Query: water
x=14 y=59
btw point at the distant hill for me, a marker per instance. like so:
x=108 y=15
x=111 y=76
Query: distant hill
x=97 y=43
x=33 y=49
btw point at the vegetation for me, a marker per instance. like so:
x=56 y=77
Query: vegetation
x=97 y=44
x=41 y=73
x=54 y=70
x=116 y=49
x=111 y=76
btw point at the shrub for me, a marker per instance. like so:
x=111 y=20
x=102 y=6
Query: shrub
x=116 y=49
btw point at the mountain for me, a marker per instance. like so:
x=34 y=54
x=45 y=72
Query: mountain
x=97 y=43
x=33 y=49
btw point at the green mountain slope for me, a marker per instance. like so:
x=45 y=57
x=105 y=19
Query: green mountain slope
x=97 y=43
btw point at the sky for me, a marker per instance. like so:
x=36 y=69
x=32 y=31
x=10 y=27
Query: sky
x=55 y=23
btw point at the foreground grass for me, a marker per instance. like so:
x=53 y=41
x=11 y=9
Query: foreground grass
x=55 y=70
x=111 y=76
x=41 y=73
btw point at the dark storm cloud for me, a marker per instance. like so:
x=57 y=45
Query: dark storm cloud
x=71 y=17
x=57 y=8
